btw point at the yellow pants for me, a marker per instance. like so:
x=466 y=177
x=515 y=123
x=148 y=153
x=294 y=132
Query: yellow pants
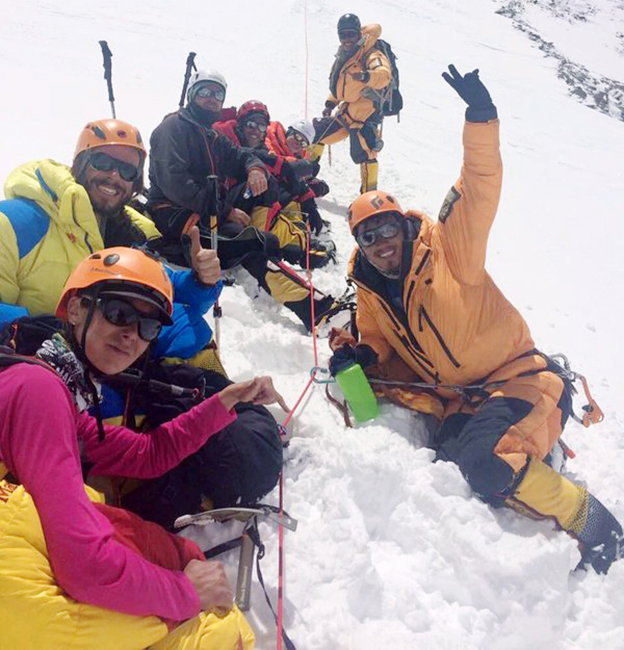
x=36 y=614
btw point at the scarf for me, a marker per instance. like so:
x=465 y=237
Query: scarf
x=57 y=353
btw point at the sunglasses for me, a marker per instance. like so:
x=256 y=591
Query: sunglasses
x=121 y=313
x=102 y=162
x=260 y=126
x=386 y=231
x=301 y=139
x=217 y=93
x=348 y=33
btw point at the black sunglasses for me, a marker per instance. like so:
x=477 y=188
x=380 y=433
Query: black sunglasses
x=300 y=138
x=121 y=313
x=348 y=33
x=260 y=126
x=102 y=162
x=386 y=230
x=217 y=93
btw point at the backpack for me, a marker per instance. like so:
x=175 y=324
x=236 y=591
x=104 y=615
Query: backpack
x=392 y=100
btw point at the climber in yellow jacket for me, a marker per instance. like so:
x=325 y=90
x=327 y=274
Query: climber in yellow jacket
x=428 y=312
x=357 y=80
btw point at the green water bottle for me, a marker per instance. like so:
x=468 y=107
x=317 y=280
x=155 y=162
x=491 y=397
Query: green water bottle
x=358 y=393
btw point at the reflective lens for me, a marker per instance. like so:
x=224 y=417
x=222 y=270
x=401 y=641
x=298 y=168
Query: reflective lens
x=259 y=126
x=301 y=139
x=121 y=313
x=102 y=162
x=387 y=230
x=207 y=91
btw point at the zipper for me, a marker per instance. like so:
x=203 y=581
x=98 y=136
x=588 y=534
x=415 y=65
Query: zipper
x=423 y=315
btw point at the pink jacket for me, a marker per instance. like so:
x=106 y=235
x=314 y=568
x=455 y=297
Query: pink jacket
x=40 y=431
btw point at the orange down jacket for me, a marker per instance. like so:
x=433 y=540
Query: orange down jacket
x=457 y=326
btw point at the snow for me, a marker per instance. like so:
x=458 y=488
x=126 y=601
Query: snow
x=392 y=550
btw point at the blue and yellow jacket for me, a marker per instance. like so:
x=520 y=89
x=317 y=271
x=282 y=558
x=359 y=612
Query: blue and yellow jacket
x=48 y=226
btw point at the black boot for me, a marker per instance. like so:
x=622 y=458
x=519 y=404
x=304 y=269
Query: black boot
x=601 y=536
x=302 y=309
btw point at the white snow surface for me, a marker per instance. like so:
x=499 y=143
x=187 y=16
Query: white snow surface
x=392 y=550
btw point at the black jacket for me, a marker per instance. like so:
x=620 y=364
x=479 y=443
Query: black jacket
x=183 y=153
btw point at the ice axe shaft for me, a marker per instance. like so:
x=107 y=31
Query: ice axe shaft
x=245 y=573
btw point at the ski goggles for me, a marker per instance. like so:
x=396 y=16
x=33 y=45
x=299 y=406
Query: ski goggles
x=207 y=91
x=301 y=139
x=102 y=162
x=259 y=126
x=122 y=313
x=387 y=230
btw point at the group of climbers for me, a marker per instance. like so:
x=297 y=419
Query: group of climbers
x=227 y=191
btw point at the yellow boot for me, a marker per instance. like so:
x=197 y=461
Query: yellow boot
x=545 y=493
x=368 y=173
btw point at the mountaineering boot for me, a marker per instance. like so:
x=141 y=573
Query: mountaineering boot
x=543 y=492
x=301 y=308
x=368 y=173
x=600 y=535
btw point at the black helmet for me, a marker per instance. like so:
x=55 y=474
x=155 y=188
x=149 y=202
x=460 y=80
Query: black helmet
x=349 y=21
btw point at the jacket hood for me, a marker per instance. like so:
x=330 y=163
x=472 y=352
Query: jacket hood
x=52 y=186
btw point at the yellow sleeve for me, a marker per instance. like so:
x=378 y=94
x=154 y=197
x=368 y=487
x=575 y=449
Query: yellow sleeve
x=379 y=69
x=9 y=263
x=469 y=209
x=147 y=226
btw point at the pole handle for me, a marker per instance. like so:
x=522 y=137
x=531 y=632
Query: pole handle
x=108 y=73
x=190 y=65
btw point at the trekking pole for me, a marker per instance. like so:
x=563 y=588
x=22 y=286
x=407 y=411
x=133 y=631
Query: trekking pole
x=190 y=65
x=329 y=154
x=214 y=244
x=108 y=73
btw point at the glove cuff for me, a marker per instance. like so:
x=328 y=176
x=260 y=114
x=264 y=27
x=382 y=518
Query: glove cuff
x=365 y=355
x=481 y=113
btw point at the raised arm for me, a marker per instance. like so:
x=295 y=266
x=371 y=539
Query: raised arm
x=470 y=206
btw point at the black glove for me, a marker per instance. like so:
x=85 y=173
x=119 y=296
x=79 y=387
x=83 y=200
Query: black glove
x=347 y=355
x=314 y=218
x=471 y=89
x=329 y=107
x=319 y=187
x=301 y=168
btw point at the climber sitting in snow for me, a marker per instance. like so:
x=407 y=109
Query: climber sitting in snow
x=429 y=313
x=76 y=574
x=56 y=216
x=282 y=152
x=191 y=166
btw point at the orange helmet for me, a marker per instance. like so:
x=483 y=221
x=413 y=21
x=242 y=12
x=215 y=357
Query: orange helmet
x=126 y=272
x=102 y=133
x=370 y=204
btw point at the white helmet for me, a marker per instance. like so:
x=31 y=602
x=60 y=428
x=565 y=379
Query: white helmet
x=200 y=76
x=305 y=128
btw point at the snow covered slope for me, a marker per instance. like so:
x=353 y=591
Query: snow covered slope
x=392 y=551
